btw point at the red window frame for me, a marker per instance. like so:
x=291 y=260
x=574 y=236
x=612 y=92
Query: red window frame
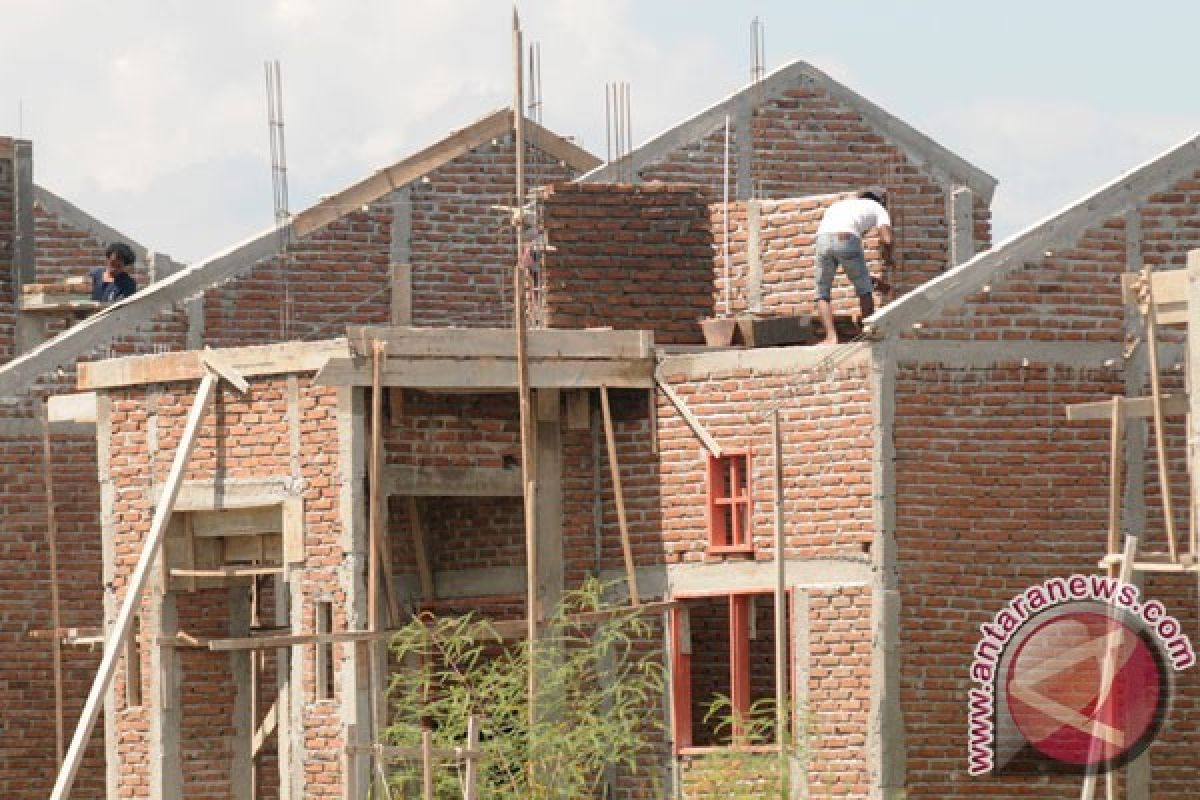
x=730 y=503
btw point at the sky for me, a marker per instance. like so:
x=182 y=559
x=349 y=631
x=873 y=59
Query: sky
x=151 y=114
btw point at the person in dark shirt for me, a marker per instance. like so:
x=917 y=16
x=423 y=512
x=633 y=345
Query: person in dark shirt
x=113 y=281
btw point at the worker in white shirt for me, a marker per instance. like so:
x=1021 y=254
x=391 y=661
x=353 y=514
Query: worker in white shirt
x=839 y=241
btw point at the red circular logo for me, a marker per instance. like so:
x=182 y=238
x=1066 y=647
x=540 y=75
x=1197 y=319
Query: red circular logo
x=1085 y=689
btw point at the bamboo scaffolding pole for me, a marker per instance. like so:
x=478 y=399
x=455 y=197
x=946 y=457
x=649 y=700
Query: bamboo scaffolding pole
x=619 y=495
x=1160 y=443
x=528 y=468
x=133 y=591
x=55 y=609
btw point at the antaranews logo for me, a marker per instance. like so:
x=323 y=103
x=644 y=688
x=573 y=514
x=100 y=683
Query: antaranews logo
x=1073 y=674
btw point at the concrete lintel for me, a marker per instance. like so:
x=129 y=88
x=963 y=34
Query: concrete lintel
x=770 y=360
x=211 y=495
x=1060 y=229
x=424 y=481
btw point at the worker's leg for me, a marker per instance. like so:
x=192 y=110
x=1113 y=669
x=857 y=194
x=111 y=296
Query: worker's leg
x=854 y=261
x=826 y=265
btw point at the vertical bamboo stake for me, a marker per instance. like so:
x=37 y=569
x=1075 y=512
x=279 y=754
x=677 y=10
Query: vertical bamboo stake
x=615 y=469
x=427 y=764
x=1116 y=446
x=55 y=616
x=1159 y=427
x=471 y=781
x=528 y=471
x=781 y=650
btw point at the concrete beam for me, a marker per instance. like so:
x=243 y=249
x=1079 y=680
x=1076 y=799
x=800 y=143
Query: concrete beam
x=705 y=364
x=422 y=481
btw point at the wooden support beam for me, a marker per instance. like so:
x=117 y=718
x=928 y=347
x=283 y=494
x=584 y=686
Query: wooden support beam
x=264 y=731
x=52 y=545
x=1131 y=408
x=214 y=361
x=270 y=359
x=492 y=374
x=709 y=443
x=619 y=496
x=1160 y=431
x=423 y=481
x=133 y=591
x=1193 y=422
x=420 y=548
x=467 y=343
x=292 y=640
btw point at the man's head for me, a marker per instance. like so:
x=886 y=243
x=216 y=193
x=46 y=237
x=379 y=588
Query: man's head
x=119 y=256
x=871 y=194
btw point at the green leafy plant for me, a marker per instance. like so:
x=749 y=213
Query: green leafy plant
x=599 y=679
x=748 y=767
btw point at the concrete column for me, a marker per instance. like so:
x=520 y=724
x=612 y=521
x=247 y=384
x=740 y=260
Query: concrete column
x=551 y=578
x=962 y=225
x=743 y=146
x=802 y=666
x=754 y=267
x=166 y=718
x=241 y=773
x=24 y=264
x=356 y=698
x=885 y=731
x=400 y=256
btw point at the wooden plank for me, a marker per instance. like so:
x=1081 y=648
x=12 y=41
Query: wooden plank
x=73 y=407
x=424 y=481
x=487 y=374
x=1193 y=374
x=214 y=361
x=264 y=731
x=1169 y=286
x=225 y=572
x=615 y=470
x=271 y=359
x=52 y=545
x=130 y=602
x=420 y=548
x=293 y=640
x=1164 y=480
x=709 y=443
x=1131 y=407
x=501 y=342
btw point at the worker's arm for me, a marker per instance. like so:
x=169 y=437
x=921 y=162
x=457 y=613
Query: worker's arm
x=885 y=244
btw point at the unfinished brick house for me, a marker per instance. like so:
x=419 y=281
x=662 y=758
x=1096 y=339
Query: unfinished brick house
x=45 y=244
x=274 y=495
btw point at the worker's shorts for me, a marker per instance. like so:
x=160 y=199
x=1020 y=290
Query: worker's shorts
x=844 y=249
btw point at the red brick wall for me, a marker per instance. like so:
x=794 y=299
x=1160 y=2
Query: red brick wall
x=787 y=238
x=463 y=249
x=825 y=427
x=27 y=766
x=628 y=257
x=63 y=251
x=233 y=442
x=806 y=142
